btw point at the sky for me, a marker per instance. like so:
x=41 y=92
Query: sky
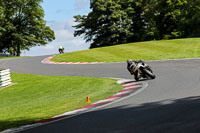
x=59 y=16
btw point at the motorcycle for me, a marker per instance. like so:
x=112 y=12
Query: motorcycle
x=61 y=51
x=142 y=70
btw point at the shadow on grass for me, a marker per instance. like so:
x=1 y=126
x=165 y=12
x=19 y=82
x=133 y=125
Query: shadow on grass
x=167 y=116
x=12 y=124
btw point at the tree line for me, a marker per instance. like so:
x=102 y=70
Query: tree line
x=22 y=26
x=112 y=22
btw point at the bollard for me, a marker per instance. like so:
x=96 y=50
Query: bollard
x=5 y=78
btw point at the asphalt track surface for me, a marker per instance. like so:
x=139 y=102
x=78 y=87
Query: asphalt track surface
x=170 y=103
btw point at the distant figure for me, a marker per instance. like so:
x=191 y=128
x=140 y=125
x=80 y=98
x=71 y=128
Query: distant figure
x=61 y=49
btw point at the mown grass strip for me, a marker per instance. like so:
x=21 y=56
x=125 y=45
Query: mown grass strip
x=36 y=97
x=151 y=50
x=1 y=58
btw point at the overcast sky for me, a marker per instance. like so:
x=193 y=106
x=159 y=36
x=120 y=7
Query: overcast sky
x=59 y=16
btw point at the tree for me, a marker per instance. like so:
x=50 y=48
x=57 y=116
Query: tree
x=24 y=26
x=113 y=22
x=190 y=19
x=168 y=19
x=135 y=12
x=106 y=25
x=2 y=17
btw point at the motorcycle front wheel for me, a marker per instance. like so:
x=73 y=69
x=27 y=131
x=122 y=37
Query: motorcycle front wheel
x=136 y=78
x=149 y=73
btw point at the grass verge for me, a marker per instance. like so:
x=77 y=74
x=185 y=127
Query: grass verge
x=1 y=58
x=151 y=50
x=36 y=97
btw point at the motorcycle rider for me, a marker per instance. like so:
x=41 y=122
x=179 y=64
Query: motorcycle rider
x=61 y=49
x=131 y=65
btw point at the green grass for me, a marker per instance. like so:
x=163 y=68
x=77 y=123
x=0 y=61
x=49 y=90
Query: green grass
x=151 y=50
x=12 y=57
x=35 y=97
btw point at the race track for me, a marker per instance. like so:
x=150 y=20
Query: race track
x=170 y=103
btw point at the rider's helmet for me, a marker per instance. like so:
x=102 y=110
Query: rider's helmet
x=129 y=61
x=61 y=47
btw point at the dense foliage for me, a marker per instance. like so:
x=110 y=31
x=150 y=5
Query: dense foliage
x=22 y=26
x=114 y=22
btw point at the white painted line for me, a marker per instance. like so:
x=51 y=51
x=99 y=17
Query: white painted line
x=145 y=84
x=121 y=93
x=106 y=100
x=132 y=87
x=129 y=84
x=124 y=80
x=70 y=112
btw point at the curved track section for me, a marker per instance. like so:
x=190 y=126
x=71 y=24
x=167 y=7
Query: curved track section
x=169 y=104
x=48 y=61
